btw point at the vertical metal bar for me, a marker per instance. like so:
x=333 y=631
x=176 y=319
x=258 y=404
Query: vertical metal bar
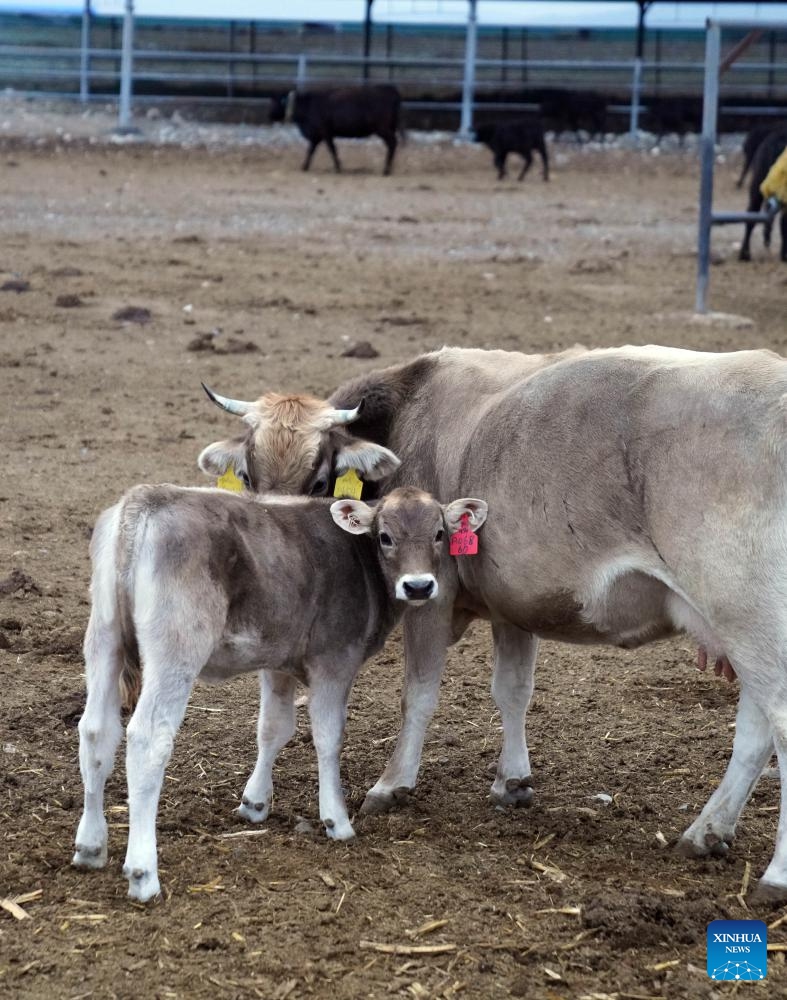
x=231 y=62
x=126 y=67
x=658 y=61
x=367 y=39
x=636 y=95
x=710 y=110
x=468 y=83
x=523 y=55
x=84 y=57
x=504 y=54
x=300 y=79
x=771 y=61
x=389 y=48
x=253 y=52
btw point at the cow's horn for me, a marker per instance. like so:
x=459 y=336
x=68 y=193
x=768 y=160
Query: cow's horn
x=230 y=405
x=345 y=416
x=289 y=107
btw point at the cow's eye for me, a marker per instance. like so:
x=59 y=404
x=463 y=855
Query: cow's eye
x=319 y=488
x=385 y=540
x=439 y=536
x=244 y=478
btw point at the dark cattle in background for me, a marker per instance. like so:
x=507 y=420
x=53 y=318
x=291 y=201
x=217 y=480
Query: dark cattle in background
x=346 y=113
x=520 y=137
x=769 y=150
x=753 y=141
x=572 y=110
x=668 y=115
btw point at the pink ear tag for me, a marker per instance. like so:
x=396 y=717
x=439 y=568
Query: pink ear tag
x=464 y=542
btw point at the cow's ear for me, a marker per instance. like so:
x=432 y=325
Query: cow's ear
x=353 y=516
x=372 y=461
x=220 y=456
x=476 y=511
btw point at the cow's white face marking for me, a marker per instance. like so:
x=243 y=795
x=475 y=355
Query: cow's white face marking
x=416 y=588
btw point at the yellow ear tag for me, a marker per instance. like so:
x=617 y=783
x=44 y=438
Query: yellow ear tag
x=229 y=481
x=349 y=485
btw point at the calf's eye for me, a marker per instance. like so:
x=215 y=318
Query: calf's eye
x=439 y=536
x=385 y=540
x=244 y=478
x=319 y=488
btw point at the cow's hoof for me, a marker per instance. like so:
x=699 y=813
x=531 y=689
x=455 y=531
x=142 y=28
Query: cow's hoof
x=768 y=894
x=385 y=801
x=253 y=812
x=143 y=885
x=513 y=792
x=90 y=857
x=342 y=830
x=744 y=255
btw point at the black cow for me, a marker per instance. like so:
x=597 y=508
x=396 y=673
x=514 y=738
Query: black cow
x=346 y=113
x=752 y=142
x=769 y=150
x=521 y=137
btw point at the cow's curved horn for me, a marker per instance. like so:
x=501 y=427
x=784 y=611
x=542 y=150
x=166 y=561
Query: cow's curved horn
x=289 y=107
x=237 y=406
x=345 y=416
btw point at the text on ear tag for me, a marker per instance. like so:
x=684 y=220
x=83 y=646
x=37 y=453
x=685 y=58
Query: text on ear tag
x=349 y=485
x=229 y=481
x=464 y=542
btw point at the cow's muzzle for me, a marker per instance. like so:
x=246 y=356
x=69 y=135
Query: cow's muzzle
x=416 y=588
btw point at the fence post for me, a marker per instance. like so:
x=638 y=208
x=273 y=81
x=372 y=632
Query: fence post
x=300 y=77
x=84 y=57
x=468 y=83
x=126 y=68
x=710 y=109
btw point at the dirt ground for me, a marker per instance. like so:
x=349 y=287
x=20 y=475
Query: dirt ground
x=274 y=273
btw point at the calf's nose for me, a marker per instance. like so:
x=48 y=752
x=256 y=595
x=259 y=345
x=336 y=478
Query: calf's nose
x=418 y=591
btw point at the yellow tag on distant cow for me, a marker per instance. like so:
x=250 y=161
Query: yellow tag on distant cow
x=349 y=485
x=229 y=481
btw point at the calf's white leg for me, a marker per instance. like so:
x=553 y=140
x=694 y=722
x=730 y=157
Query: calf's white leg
x=773 y=884
x=328 y=712
x=427 y=635
x=714 y=829
x=150 y=738
x=100 y=730
x=275 y=727
x=512 y=689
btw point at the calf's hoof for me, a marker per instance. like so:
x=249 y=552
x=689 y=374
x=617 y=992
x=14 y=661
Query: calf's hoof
x=339 y=830
x=768 y=894
x=143 y=885
x=385 y=801
x=254 y=812
x=712 y=846
x=90 y=857
x=744 y=255
x=514 y=792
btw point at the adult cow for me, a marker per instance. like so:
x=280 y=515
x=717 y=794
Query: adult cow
x=345 y=113
x=522 y=137
x=768 y=152
x=633 y=493
x=754 y=139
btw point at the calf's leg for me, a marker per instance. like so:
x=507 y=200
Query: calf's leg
x=328 y=713
x=275 y=727
x=512 y=689
x=150 y=738
x=332 y=147
x=427 y=635
x=100 y=730
x=390 y=142
x=313 y=144
x=528 y=158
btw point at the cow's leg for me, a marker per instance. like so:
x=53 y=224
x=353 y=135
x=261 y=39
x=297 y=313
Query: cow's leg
x=150 y=738
x=275 y=727
x=714 y=829
x=391 y=143
x=332 y=147
x=328 y=713
x=773 y=884
x=512 y=688
x=500 y=164
x=427 y=635
x=528 y=158
x=313 y=144
x=544 y=162
x=100 y=730
x=755 y=202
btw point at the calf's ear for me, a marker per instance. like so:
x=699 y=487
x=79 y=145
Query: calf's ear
x=476 y=511
x=372 y=461
x=353 y=516
x=222 y=455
